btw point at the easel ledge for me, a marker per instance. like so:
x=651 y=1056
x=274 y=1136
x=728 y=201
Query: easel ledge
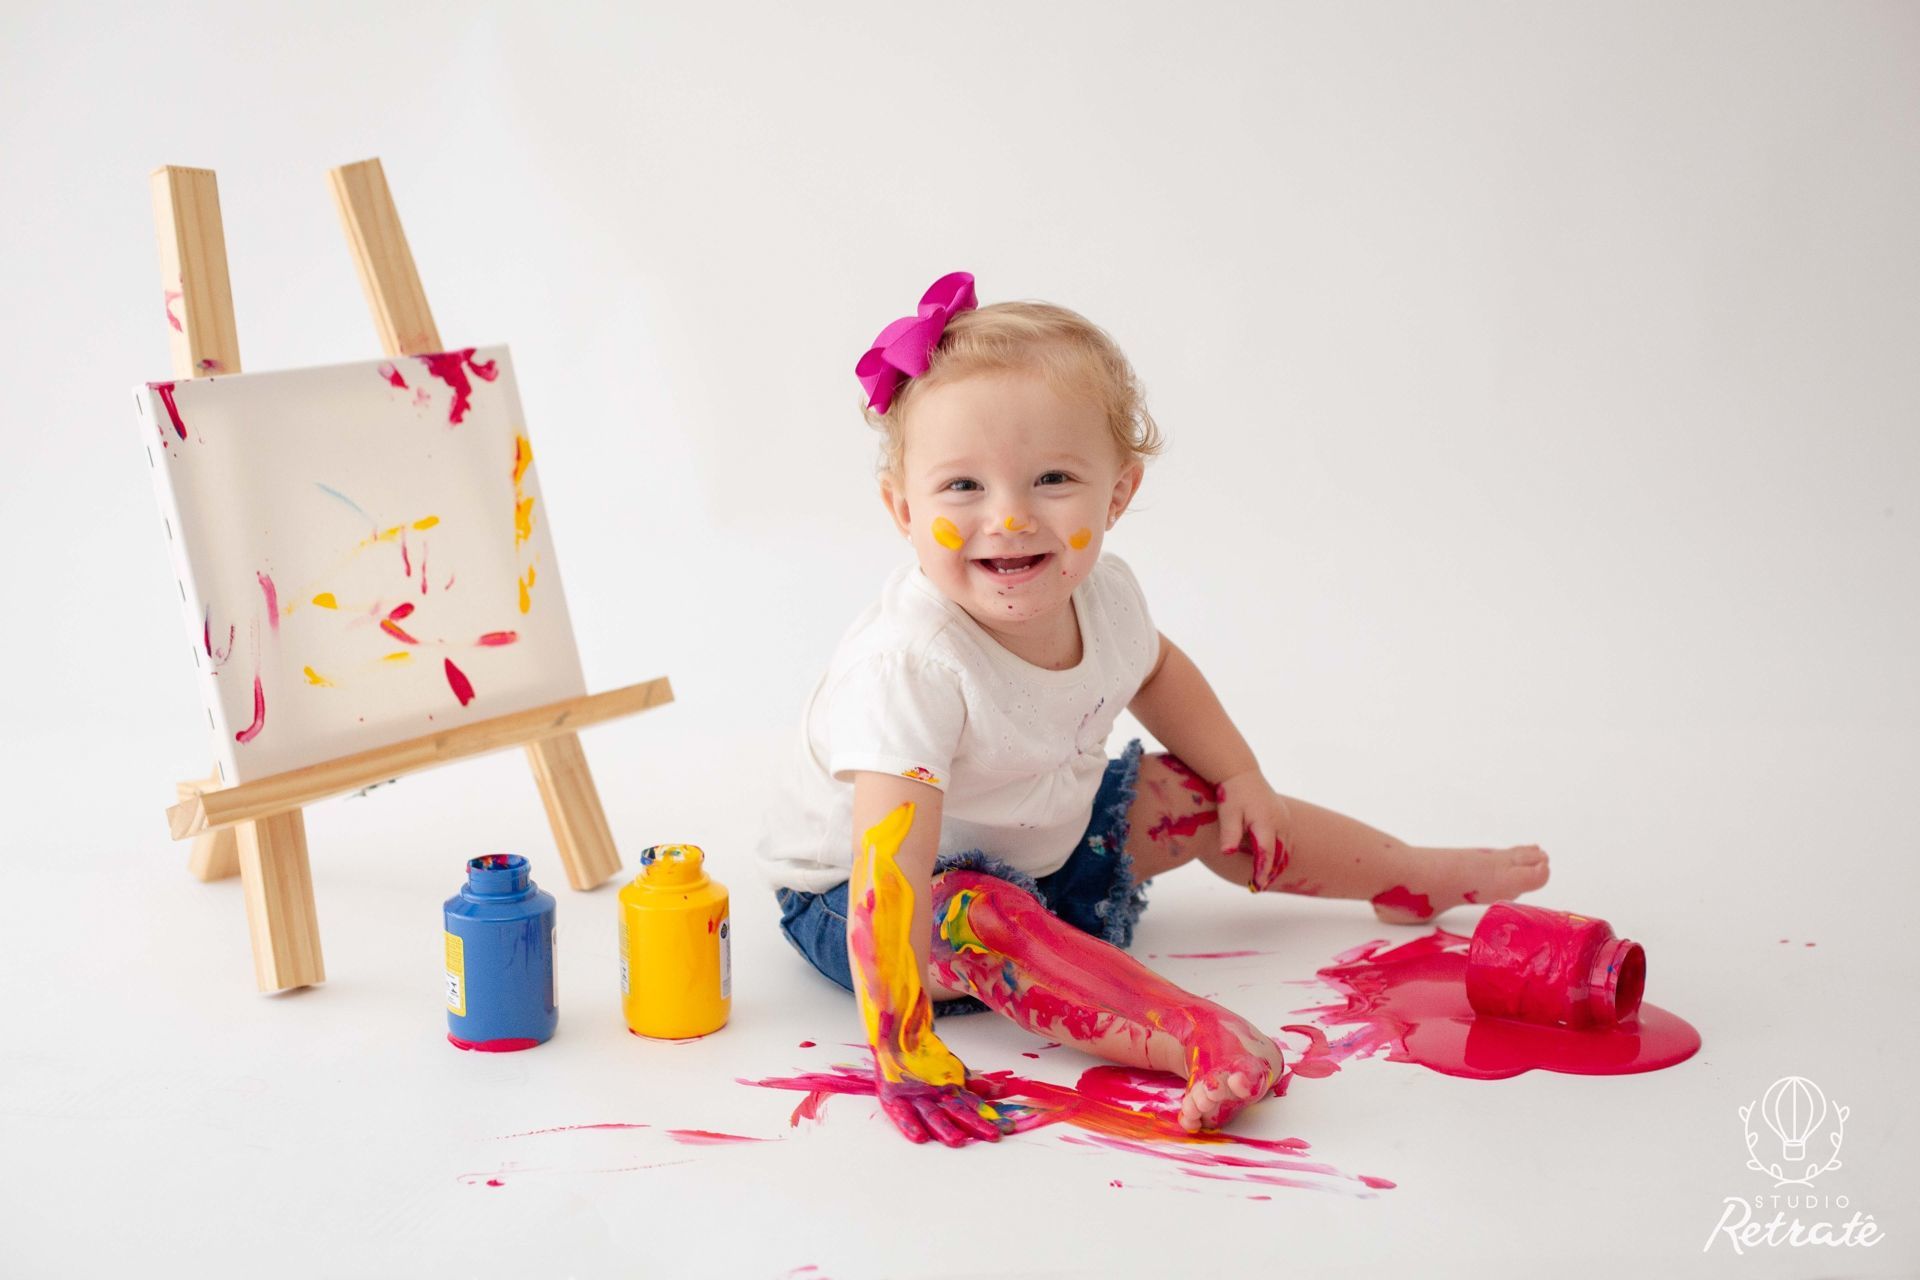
x=212 y=809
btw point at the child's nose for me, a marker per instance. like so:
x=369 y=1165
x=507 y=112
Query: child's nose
x=1016 y=522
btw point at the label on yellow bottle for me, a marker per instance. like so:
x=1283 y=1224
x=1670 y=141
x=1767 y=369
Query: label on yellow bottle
x=456 y=975
x=626 y=985
x=726 y=960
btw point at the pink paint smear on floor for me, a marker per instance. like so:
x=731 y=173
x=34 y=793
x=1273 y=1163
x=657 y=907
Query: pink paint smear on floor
x=1410 y=1001
x=1117 y=1109
x=1216 y=955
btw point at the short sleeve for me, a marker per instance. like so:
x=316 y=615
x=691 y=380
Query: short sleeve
x=895 y=713
x=1131 y=618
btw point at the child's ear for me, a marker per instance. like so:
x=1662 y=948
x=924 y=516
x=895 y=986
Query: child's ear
x=896 y=504
x=1123 y=490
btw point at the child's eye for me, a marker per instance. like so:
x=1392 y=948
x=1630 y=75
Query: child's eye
x=1055 y=477
x=960 y=486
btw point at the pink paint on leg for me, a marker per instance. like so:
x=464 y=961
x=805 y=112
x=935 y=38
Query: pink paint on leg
x=1404 y=899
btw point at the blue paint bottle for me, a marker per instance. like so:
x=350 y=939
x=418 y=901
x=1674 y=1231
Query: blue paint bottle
x=501 y=989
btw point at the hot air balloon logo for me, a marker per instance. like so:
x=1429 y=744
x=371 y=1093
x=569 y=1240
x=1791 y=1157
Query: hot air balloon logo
x=1797 y=1112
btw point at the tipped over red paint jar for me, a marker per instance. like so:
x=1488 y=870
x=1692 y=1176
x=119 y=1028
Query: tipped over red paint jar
x=1553 y=967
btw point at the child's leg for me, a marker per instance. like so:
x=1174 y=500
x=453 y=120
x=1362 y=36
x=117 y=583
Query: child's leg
x=995 y=941
x=1174 y=819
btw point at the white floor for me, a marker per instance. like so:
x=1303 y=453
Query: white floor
x=160 y=1113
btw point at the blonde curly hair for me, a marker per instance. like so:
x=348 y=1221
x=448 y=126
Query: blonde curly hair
x=1071 y=351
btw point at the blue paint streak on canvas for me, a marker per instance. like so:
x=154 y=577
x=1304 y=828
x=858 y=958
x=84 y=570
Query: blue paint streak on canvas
x=344 y=498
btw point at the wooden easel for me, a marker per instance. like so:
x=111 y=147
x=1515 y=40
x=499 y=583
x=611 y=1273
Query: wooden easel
x=255 y=829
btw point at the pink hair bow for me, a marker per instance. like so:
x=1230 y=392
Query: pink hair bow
x=904 y=347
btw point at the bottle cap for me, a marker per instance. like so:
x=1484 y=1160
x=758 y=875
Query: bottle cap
x=497 y=875
x=672 y=866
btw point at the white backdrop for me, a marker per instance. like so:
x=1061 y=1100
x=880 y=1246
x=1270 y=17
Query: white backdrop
x=1540 y=391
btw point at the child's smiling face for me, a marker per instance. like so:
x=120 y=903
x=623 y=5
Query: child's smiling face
x=1008 y=487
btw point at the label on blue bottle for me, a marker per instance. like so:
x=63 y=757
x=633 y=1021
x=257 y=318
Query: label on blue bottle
x=456 y=975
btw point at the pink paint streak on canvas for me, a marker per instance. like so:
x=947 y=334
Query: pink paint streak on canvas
x=1410 y=1001
x=392 y=375
x=390 y=623
x=406 y=561
x=173 y=410
x=458 y=682
x=496 y=638
x=252 y=731
x=451 y=367
x=273 y=600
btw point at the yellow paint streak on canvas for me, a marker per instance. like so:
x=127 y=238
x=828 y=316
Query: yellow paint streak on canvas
x=522 y=459
x=947 y=534
x=314 y=677
x=398 y=655
x=326 y=601
x=890 y=970
x=1080 y=539
x=426 y=522
x=526 y=589
x=522 y=520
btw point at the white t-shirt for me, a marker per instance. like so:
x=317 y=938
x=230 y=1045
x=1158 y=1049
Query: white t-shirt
x=918 y=688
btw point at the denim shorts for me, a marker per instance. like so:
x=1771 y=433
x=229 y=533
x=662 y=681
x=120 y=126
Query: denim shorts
x=1093 y=890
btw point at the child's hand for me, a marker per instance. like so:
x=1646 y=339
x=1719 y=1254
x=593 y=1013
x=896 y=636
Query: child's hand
x=954 y=1115
x=1250 y=812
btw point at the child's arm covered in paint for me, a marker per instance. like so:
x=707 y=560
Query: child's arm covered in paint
x=1177 y=705
x=921 y=1084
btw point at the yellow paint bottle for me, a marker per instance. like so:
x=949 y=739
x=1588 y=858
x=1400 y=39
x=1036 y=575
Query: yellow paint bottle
x=676 y=955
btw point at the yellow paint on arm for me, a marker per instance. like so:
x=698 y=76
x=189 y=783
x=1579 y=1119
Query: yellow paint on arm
x=1080 y=539
x=891 y=971
x=947 y=534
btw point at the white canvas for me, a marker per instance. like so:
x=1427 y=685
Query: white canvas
x=362 y=552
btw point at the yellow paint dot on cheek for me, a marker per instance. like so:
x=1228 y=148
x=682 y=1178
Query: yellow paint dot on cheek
x=1080 y=539
x=947 y=534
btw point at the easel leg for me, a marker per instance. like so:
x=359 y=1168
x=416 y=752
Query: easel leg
x=573 y=809
x=280 y=915
x=215 y=854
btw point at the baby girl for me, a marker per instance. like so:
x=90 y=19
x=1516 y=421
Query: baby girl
x=954 y=836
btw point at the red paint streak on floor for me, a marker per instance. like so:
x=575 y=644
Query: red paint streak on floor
x=707 y=1138
x=568 y=1128
x=1410 y=1001
x=1216 y=955
x=1118 y=1108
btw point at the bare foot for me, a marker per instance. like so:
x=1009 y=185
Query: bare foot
x=1230 y=1065
x=1437 y=879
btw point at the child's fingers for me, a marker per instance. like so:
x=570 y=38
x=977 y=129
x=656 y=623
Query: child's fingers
x=904 y=1118
x=1232 y=827
x=934 y=1112
x=969 y=1118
